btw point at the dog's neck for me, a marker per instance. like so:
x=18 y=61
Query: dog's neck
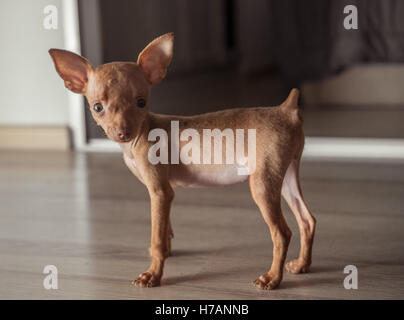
x=151 y=121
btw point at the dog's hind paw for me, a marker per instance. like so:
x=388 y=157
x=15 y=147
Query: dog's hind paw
x=297 y=266
x=146 y=280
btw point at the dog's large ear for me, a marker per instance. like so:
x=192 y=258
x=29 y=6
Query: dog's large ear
x=155 y=58
x=72 y=68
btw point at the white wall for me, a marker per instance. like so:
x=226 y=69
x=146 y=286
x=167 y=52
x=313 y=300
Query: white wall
x=31 y=91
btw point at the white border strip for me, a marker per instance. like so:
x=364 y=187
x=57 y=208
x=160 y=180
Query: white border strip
x=75 y=101
x=367 y=148
x=315 y=148
x=102 y=145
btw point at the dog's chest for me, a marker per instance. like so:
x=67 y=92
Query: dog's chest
x=131 y=162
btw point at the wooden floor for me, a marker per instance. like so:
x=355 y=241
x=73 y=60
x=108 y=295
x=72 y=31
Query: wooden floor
x=86 y=214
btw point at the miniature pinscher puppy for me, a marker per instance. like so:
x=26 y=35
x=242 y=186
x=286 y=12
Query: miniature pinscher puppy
x=118 y=95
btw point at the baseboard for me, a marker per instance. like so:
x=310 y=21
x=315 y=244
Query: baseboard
x=316 y=148
x=35 y=138
x=102 y=145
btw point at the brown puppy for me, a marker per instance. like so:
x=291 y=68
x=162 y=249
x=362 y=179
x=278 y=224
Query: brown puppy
x=118 y=95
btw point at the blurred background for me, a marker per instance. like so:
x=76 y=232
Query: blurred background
x=67 y=198
x=228 y=53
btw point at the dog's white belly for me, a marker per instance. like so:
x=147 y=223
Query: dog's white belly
x=207 y=175
x=195 y=175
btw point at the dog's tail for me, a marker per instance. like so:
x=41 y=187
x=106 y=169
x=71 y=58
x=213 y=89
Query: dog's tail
x=291 y=101
x=291 y=106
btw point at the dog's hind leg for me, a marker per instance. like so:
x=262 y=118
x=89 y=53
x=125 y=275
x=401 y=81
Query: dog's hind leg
x=170 y=236
x=292 y=193
x=267 y=196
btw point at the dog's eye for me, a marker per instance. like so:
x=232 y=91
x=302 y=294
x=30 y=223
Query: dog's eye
x=98 y=107
x=141 y=103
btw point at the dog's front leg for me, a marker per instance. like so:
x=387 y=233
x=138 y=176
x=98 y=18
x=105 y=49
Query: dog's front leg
x=161 y=198
x=170 y=236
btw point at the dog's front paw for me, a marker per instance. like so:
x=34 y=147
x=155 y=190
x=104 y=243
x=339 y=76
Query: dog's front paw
x=297 y=266
x=267 y=281
x=146 y=280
